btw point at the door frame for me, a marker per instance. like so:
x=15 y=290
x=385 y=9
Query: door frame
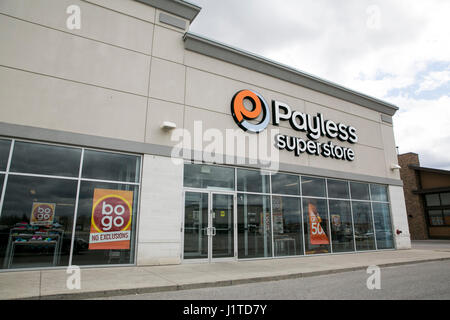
x=210 y=193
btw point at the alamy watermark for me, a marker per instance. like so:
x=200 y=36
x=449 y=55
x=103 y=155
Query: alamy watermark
x=374 y=281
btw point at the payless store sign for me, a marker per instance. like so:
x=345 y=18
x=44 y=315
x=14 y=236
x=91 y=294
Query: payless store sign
x=258 y=118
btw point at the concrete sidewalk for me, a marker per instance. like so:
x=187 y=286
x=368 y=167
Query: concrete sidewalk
x=101 y=282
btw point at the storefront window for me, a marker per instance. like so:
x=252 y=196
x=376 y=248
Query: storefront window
x=287 y=226
x=105 y=225
x=285 y=184
x=252 y=181
x=383 y=227
x=195 y=225
x=338 y=189
x=433 y=200
x=362 y=219
x=315 y=217
x=359 y=191
x=341 y=226
x=111 y=166
x=313 y=187
x=445 y=199
x=254 y=226
x=208 y=177
x=4 y=153
x=45 y=159
x=378 y=192
x=36 y=222
x=436 y=217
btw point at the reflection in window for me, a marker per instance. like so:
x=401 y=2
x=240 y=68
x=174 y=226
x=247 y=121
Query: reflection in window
x=338 y=189
x=341 y=226
x=313 y=187
x=36 y=222
x=383 y=227
x=4 y=153
x=206 y=176
x=45 y=159
x=445 y=199
x=111 y=166
x=285 y=184
x=433 y=200
x=359 y=191
x=195 y=225
x=436 y=218
x=315 y=217
x=254 y=226
x=362 y=219
x=252 y=181
x=378 y=192
x=287 y=226
x=86 y=253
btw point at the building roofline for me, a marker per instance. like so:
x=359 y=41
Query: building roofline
x=431 y=170
x=179 y=8
x=227 y=53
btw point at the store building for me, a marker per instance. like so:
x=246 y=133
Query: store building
x=427 y=197
x=132 y=141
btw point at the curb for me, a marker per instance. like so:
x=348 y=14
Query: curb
x=221 y=283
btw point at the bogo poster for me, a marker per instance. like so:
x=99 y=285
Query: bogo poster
x=111 y=219
x=42 y=214
x=317 y=235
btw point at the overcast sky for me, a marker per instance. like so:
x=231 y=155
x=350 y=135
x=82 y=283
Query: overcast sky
x=394 y=50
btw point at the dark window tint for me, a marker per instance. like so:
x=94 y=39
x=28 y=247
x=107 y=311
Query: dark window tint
x=287 y=226
x=285 y=184
x=206 y=176
x=359 y=191
x=362 y=219
x=338 y=189
x=45 y=159
x=111 y=166
x=378 y=192
x=341 y=226
x=4 y=153
x=383 y=227
x=36 y=222
x=252 y=181
x=313 y=187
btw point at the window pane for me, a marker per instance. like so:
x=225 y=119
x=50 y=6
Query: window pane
x=436 y=218
x=445 y=199
x=252 y=181
x=285 y=184
x=383 y=227
x=111 y=166
x=206 y=176
x=36 y=222
x=315 y=217
x=341 y=226
x=45 y=159
x=314 y=187
x=338 y=189
x=254 y=228
x=378 y=192
x=447 y=217
x=359 y=191
x=195 y=225
x=362 y=219
x=287 y=226
x=432 y=200
x=113 y=220
x=4 y=153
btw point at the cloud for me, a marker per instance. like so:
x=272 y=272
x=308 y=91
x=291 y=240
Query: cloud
x=382 y=48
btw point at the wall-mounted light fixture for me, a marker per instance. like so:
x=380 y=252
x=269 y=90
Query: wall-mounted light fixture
x=395 y=167
x=167 y=125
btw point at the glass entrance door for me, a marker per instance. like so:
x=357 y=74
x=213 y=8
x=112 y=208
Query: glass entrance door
x=209 y=223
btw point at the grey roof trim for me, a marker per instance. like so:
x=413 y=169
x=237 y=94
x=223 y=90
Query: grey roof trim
x=179 y=8
x=85 y=140
x=208 y=47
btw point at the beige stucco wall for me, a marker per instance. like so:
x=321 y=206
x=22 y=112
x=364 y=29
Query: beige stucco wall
x=124 y=73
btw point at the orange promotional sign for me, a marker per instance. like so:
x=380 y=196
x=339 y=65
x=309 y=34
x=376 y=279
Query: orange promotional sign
x=317 y=235
x=111 y=219
x=42 y=214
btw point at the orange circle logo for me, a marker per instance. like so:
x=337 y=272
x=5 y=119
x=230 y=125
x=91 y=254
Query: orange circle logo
x=242 y=115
